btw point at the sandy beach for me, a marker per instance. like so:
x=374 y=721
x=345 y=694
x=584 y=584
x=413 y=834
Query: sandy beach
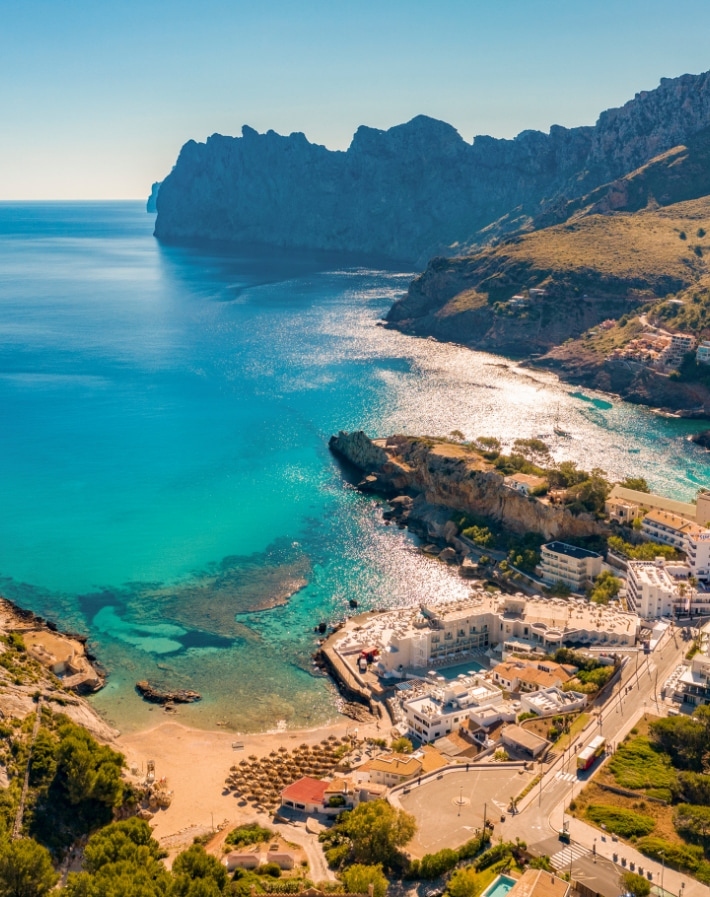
x=196 y=764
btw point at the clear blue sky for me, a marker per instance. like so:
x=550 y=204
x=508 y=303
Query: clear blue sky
x=97 y=96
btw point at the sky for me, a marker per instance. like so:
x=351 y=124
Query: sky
x=98 y=96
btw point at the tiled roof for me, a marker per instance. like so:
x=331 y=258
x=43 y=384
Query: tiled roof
x=395 y=764
x=306 y=791
x=538 y=883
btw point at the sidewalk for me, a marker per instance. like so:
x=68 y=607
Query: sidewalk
x=592 y=838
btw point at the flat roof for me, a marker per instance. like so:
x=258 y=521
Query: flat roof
x=572 y=551
x=649 y=500
x=523 y=737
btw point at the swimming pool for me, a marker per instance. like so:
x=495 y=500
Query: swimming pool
x=499 y=887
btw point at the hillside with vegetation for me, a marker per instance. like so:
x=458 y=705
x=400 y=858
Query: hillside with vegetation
x=626 y=271
x=655 y=792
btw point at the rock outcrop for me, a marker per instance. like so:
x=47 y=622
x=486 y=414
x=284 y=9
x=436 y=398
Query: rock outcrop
x=416 y=189
x=157 y=695
x=443 y=477
x=152 y=204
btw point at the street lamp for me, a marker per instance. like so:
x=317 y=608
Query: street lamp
x=460 y=799
x=663 y=869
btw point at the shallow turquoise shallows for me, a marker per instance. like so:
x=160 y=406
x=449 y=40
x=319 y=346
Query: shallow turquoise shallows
x=166 y=482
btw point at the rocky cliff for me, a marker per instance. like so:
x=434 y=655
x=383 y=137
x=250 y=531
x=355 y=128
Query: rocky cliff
x=416 y=189
x=454 y=477
x=152 y=204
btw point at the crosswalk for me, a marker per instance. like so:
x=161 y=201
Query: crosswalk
x=569 y=853
x=566 y=776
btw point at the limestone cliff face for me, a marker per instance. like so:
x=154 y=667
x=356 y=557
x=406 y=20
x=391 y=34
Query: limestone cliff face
x=152 y=204
x=456 y=477
x=414 y=190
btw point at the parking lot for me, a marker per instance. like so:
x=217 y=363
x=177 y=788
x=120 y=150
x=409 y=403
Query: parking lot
x=449 y=809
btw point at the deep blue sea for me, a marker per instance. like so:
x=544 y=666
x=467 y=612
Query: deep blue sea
x=166 y=482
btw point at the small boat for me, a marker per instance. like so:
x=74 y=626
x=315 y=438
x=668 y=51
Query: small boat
x=557 y=429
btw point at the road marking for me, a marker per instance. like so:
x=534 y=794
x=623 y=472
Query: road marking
x=566 y=776
x=571 y=852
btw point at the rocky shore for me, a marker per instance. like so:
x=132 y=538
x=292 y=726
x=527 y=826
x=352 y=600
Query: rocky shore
x=428 y=480
x=34 y=649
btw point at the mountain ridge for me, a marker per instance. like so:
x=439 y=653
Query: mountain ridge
x=417 y=189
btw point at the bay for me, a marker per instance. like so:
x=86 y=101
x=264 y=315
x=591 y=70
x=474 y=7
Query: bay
x=166 y=482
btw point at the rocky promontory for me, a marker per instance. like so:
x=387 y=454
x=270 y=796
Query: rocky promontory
x=431 y=478
x=417 y=189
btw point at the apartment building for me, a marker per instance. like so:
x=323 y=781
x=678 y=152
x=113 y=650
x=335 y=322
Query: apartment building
x=575 y=567
x=650 y=590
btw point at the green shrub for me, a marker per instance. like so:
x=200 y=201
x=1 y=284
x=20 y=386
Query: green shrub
x=639 y=764
x=622 y=822
x=249 y=833
x=493 y=855
x=273 y=870
x=677 y=856
x=433 y=865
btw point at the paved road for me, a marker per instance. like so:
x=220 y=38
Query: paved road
x=542 y=814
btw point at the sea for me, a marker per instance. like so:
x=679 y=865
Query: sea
x=167 y=487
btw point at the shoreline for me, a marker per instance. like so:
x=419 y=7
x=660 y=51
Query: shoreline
x=196 y=763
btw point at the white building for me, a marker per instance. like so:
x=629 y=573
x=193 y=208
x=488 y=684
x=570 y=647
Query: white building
x=525 y=483
x=444 y=710
x=697 y=548
x=552 y=701
x=694 y=540
x=575 y=567
x=412 y=641
x=650 y=590
x=676 y=350
x=702 y=356
x=695 y=681
x=668 y=528
x=621 y=510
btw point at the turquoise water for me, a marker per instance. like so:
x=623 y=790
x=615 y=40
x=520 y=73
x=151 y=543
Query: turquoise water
x=166 y=482
x=500 y=887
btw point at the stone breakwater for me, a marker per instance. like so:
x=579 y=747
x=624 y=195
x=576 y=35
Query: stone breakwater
x=428 y=479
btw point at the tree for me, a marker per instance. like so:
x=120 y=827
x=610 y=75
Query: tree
x=638 y=484
x=535 y=450
x=402 y=745
x=376 y=831
x=128 y=841
x=635 y=884
x=358 y=878
x=606 y=587
x=25 y=869
x=464 y=883
x=88 y=770
x=195 y=864
x=693 y=821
